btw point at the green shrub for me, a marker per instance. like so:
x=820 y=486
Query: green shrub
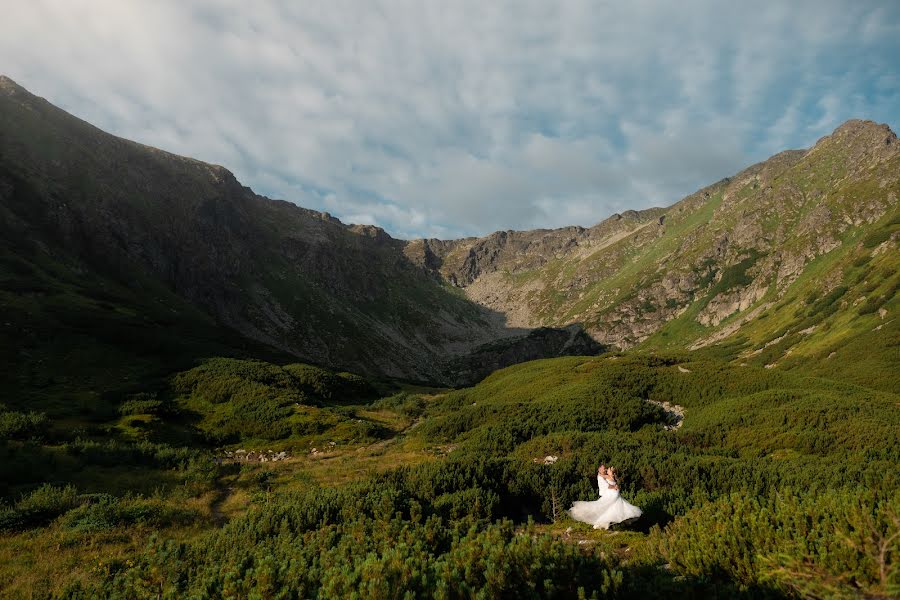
x=471 y=502
x=819 y=545
x=145 y=403
x=876 y=238
x=736 y=275
x=241 y=399
x=872 y=304
x=263 y=479
x=104 y=512
x=827 y=305
x=39 y=507
x=21 y=426
x=410 y=405
x=371 y=557
x=314 y=422
x=862 y=260
x=328 y=386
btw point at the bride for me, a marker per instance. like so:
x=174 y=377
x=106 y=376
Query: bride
x=610 y=508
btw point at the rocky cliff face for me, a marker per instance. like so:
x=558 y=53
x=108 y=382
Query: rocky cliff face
x=487 y=268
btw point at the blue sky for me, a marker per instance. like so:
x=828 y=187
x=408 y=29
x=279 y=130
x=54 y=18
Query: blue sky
x=444 y=119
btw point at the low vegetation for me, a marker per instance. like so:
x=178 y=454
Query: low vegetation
x=777 y=485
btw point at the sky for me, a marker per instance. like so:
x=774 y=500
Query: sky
x=436 y=118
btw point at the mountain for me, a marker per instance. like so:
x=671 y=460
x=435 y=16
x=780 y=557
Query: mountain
x=91 y=215
x=787 y=263
x=791 y=261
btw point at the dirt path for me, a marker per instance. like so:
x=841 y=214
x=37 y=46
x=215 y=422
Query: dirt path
x=221 y=494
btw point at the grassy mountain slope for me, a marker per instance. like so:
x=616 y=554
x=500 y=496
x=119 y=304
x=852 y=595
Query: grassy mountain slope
x=787 y=262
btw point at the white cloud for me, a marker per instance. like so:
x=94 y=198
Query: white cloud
x=446 y=119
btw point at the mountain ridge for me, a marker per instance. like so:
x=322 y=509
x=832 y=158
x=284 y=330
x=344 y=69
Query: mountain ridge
x=777 y=217
x=286 y=276
x=690 y=276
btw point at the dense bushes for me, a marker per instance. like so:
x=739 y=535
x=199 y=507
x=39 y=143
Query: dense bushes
x=21 y=426
x=776 y=485
x=38 y=508
x=378 y=543
x=733 y=412
x=819 y=545
x=877 y=237
x=219 y=379
x=115 y=453
x=509 y=416
x=103 y=512
x=875 y=302
x=409 y=405
x=89 y=513
x=443 y=530
x=372 y=558
x=329 y=386
x=240 y=399
x=146 y=403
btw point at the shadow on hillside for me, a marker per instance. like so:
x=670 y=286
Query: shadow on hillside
x=543 y=342
x=651 y=581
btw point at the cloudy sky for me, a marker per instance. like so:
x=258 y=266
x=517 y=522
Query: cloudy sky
x=448 y=118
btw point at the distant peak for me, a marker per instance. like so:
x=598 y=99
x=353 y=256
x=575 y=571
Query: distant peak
x=11 y=89
x=371 y=231
x=8 y=84
x=855 y=126
x=862 y=130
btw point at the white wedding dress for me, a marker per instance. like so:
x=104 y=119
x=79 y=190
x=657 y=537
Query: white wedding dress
x=610 y=508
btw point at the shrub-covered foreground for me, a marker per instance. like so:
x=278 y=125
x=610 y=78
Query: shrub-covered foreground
x=403 y=535
x=776 y=485
x=370 y=558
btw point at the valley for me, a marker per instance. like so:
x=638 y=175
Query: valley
x=734 y=355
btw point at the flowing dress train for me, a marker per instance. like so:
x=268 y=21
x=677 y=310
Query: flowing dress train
x=608 y=509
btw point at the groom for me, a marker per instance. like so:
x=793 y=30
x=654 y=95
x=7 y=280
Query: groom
x=608 y=475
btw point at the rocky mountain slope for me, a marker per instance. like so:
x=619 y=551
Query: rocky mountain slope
x=788 y=262
x=792 y=257
x=80 y=208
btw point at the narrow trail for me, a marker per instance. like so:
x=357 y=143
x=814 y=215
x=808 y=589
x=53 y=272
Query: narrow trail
x=222 y=493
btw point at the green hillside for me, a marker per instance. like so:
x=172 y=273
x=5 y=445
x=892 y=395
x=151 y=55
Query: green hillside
x=431 y=492
x=787 y=263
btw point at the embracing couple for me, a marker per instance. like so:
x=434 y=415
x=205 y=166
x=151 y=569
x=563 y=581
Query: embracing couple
x=610 y=508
